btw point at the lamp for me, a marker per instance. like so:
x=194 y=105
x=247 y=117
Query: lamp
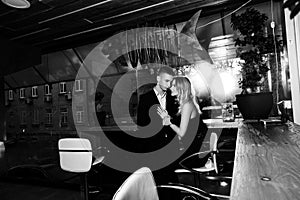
x=17 y=3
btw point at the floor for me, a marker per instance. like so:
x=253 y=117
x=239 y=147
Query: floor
x=29 y=169
x=18 y=191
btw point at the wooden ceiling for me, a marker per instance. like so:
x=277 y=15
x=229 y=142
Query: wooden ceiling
x=53 y=25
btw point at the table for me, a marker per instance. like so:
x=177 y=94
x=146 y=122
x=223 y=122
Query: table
x=267 y=162
x=218 y=123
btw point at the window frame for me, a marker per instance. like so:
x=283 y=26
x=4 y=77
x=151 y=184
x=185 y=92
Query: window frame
x=47 y=90
x=22 y=93
x=79 y=114
x=34 y=91
x=36 y=117
x=10 y=95
x=23 y=120
x=78 y=85
x=63 y=118
x=49 y=116
x=62 y=88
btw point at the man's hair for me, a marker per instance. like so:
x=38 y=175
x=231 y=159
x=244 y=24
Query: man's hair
x=165 y=69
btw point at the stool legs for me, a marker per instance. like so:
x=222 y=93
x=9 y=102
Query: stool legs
x=84 y=191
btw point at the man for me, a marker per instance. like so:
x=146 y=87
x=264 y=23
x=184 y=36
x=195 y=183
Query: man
x=155 y=135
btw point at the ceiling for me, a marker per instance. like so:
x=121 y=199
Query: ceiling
x=52 y=25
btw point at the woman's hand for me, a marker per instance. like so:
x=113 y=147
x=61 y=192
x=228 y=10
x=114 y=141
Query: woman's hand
x=167 y=121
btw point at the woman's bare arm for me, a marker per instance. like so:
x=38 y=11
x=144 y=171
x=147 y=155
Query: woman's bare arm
x=185 y=118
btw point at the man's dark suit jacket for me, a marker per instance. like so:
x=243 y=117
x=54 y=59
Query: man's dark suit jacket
x=150 y=124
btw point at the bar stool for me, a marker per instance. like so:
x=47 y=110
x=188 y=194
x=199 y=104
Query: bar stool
x=2 y=149
x=76 y=156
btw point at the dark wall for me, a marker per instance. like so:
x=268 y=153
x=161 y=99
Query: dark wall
x=13 y=57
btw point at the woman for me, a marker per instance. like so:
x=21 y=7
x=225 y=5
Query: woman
x=190 y=115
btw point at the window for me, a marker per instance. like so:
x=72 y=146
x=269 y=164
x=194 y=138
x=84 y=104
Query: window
x=62 y=88
x=10 y=95
x=47 y=89
x=23 y=117
x=49 y=116
x=78 y=85
x=22 y=93
x=63 y=117
x=11 y=121
x=36 y=117
x=34 y=91
x=79 y=114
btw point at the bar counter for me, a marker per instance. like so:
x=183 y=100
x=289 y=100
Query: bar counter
x=267 y=162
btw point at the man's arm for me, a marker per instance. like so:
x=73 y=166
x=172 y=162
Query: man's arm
x=172 y=108
x=142 y=112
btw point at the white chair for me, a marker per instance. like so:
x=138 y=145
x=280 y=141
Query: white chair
x=141 y=186
x=211 y=162
x=209 y=167
x=138 y=186
x=2 y=149
x=75 y=155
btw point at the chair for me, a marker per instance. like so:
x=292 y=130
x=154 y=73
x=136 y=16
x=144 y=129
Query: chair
x=210 y=165
x=204 y=165
x=285 y=107
x=2 y=149
x=76 y=156
x=141 y=186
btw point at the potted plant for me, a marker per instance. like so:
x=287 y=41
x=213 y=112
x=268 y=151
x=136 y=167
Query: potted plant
x=254 y=47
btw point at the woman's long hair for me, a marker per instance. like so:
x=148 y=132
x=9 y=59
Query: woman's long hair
x=185 y=92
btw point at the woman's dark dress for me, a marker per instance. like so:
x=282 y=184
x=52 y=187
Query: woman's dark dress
x=193 y=138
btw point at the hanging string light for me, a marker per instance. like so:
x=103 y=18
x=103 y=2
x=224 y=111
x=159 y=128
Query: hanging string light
x=272 y=24
x=211 y=22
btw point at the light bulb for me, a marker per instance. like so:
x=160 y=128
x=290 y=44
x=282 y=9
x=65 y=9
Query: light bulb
x=272 y=24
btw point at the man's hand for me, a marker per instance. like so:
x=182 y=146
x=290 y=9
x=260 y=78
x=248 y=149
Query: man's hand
x=293 y=6
x=164 y=115
x=162 y=112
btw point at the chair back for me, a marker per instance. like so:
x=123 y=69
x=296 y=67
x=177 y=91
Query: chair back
x=2 y=149
x=213 y=141
x=138 y=186
x=75 y=154
x=213 y=149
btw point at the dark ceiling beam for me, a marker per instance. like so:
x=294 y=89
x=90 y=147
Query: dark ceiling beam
x=56 y=33
x=78 y=23
x=6 y=83
x=70 y=61
x=73 y=10
x=14 y=80
x=149 y=15
x=40 y=74
x=83 y=64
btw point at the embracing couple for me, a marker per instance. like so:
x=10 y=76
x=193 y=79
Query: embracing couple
x=169 y=111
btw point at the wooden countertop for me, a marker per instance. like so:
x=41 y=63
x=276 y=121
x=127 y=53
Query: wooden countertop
x=271 y=152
